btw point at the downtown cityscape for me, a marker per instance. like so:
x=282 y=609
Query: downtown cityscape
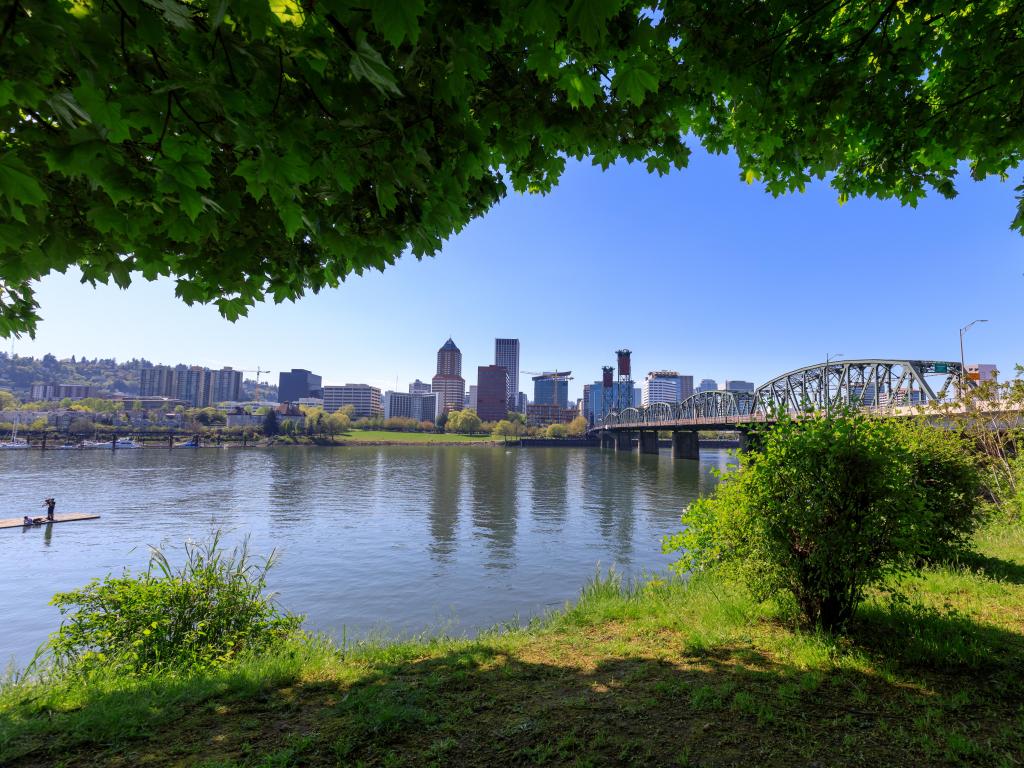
x=493 y=393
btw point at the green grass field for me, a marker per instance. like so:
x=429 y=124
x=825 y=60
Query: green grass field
x=656 y=674
x=382 y=436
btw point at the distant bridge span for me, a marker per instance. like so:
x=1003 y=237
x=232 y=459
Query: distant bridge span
x=873 y=385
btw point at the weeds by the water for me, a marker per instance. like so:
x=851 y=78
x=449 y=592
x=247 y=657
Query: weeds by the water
x=202 y=614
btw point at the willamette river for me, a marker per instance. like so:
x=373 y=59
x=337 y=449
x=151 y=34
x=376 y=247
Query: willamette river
x=388 y=540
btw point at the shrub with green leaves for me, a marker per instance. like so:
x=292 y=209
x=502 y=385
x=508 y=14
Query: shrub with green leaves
x=947 y=470
x=202 y=615
x=829 y=507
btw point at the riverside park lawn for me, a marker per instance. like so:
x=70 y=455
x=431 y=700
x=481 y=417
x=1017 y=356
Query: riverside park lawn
x=663 y=674
x=414 y=438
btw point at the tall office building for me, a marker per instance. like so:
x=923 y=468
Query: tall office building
x=449 y=359
x=707 y=385
x=521 y=401
x=471 y=399
x=666 y=387
x=552 y=389
x=364 y=399
x=224 y=386
x=194 y=384
x=738 y=385
x=448 y=382
x=419 y=388
x=491 y=392
x=506 y=354
x=297 y=384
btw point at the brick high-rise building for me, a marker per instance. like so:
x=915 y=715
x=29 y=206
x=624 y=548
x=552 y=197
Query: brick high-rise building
x=448 y=384
x=491 y=392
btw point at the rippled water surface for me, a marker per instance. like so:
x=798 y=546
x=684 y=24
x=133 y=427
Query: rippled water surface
x=375 y=539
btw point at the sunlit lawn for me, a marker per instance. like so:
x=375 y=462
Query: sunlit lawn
x=375 y=436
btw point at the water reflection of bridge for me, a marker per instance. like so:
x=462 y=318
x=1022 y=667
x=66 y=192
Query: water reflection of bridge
x=877 y=386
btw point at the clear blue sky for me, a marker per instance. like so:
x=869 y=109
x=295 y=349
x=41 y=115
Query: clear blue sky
x=696 y=271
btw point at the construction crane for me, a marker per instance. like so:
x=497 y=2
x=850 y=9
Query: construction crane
x=257 y=370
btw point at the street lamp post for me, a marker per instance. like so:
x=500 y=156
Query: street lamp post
x=828 y=394
x=963 y=368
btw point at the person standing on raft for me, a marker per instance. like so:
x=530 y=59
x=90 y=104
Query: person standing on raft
x=51 y=504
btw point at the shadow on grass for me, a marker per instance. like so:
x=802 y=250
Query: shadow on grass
x=993 y=567
x=955 y=697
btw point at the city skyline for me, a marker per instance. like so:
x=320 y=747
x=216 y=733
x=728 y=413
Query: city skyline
x=806 y=282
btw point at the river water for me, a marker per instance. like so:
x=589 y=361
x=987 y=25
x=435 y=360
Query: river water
x=371 y=540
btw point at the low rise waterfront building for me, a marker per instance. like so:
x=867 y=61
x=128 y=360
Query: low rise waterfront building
x=545 y=414
x=420 y=406
x=364 y=399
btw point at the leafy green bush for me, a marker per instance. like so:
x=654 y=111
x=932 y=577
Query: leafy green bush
x=947 y=471
x=830 y=507
x=202 y=615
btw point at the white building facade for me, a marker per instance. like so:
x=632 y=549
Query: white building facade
x=421 y=406
x=364 y=399
x=665 y=387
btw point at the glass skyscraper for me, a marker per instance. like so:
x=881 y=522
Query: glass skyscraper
x=506 y=354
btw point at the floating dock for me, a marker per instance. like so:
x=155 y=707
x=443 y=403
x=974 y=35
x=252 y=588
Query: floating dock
x=17 y=522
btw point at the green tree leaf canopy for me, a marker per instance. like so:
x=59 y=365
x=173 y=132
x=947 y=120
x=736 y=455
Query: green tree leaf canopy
x=253 y=148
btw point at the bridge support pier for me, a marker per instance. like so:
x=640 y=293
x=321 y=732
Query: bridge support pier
x=685 y=445
x=623 y=442
x=649 y=442
x=607 y=441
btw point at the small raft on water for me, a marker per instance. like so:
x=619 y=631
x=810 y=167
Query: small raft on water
x=18 y=522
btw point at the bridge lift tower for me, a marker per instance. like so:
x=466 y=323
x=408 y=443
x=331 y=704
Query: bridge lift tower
x=624 y=395
x=607 y=390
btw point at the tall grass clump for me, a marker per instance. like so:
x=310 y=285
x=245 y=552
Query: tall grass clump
x=205 y=613
x=829 y=507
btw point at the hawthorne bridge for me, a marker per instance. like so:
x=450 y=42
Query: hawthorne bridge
x=890 y=387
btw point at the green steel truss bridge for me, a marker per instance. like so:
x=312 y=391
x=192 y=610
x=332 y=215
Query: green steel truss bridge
x=878 y=386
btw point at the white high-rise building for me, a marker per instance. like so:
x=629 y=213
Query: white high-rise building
x=666 y=387
x=506 y=354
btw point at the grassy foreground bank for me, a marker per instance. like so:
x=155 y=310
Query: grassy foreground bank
x=661 y=674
